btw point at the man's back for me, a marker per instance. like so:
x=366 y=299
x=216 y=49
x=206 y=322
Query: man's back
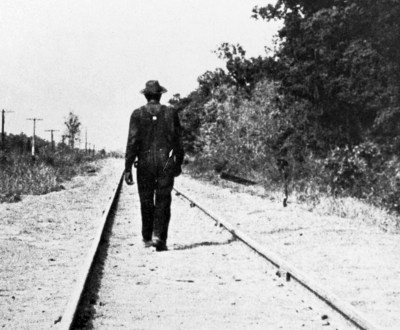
x=154 y=137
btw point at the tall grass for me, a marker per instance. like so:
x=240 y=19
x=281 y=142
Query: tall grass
x=20 y=175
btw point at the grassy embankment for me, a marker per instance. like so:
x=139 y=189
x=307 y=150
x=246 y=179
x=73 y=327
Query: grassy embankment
x=19 y=175
x=309 y=196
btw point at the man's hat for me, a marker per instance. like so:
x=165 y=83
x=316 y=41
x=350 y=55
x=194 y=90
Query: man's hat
x=153 y=87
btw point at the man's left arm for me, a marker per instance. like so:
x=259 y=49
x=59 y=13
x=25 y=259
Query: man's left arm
x=178 y=147
x=178 y=150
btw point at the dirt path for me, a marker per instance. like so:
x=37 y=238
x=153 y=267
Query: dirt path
x=206 y=280
x=43 y=239
x=357 y=261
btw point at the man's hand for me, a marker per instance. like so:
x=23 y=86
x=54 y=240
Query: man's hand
x=177 y=170
x=128 y=178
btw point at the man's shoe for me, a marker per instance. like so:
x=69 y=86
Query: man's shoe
x=148 y=244
x=159 y=245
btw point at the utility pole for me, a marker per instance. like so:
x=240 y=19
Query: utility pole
x=3 y=134
x=52 y=140
x=34 y=133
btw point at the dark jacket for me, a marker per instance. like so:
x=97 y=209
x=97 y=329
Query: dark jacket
x=154 y=131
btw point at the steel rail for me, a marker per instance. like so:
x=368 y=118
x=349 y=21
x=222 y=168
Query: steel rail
x=345 y=309
x=68 y=318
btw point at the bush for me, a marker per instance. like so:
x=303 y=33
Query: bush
x=244 y=137
x=236 y=134
x=365 y=173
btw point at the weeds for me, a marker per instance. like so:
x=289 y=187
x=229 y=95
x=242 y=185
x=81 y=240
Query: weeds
x=309 y=187
x=19 y=175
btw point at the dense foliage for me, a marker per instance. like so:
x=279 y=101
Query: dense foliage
x=342 y=60
x=326 y=99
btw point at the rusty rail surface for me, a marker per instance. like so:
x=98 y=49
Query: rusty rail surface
x=292 y=272
x=68 y=318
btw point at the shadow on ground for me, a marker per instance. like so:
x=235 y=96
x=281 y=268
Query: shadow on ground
x=178 y=247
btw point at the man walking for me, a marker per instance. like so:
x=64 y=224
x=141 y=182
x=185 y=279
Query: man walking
x=155 y=140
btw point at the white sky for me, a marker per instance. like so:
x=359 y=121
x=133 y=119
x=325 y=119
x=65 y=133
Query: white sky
x=93 y=57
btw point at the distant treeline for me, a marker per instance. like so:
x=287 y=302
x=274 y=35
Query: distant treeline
x=326 y=98
x=22 y=144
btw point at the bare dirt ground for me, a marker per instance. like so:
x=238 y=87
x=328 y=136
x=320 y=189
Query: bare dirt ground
x=43 y=239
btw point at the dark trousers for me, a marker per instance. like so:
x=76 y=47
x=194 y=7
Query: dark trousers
x=155 y=202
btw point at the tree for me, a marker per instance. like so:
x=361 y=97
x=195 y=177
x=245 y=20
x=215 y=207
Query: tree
x=243 y=73
x=73 y=128
x=340 y=60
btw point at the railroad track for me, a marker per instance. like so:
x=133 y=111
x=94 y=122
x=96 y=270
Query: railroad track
x=215 y=252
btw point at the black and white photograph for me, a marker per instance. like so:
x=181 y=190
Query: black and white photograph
x=202 y=165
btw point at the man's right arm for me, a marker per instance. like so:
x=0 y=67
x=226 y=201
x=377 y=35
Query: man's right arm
x=133 y=144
